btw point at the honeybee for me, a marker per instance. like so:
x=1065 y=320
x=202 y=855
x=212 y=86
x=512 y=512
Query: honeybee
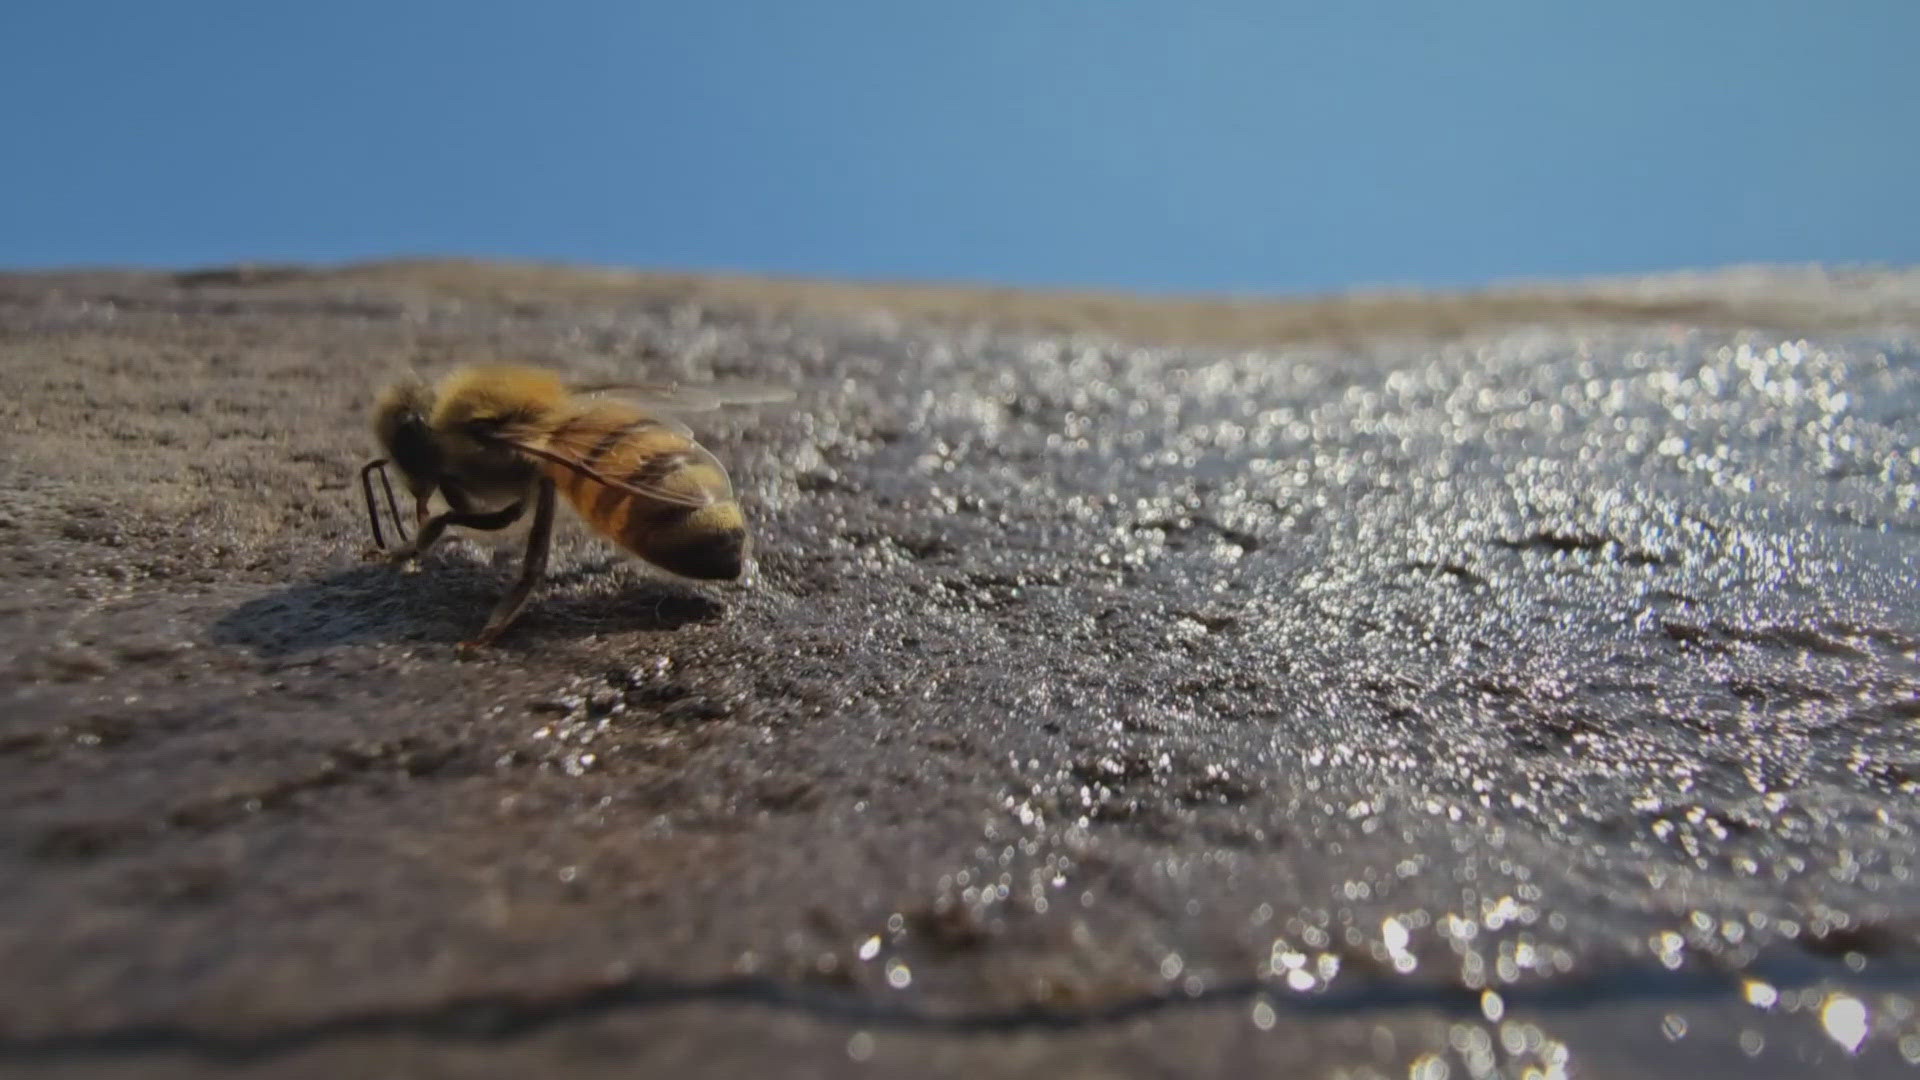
x=496 y=441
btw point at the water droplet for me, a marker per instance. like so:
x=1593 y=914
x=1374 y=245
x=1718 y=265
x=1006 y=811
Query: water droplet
x=1394 y=935
x=1674 y=1027
x=1845 y=1019
x=860 y=1046
x=870 y=948
x=1263 y=1015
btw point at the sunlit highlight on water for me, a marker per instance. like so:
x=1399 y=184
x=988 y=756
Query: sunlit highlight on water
x=1845 y=1019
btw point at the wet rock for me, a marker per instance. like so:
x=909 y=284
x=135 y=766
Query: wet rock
x=1497 y=696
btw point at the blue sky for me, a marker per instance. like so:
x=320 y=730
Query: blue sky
x=1165 y=146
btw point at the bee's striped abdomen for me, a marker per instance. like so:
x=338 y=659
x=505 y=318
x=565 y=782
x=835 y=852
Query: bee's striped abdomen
x=703 y=536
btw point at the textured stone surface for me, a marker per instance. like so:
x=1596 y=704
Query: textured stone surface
x=1500 y=692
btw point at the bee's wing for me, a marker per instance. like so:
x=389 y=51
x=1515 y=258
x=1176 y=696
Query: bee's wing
x=690 y=397
x=572 y=455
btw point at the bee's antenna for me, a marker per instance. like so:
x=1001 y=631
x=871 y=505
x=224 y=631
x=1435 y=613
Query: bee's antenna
x=373 y=510
x=399 y=523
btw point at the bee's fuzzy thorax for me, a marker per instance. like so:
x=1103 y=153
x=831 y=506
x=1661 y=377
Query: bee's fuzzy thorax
x=496 y=393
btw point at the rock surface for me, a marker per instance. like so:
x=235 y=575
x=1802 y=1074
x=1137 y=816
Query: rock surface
x=1456 y=688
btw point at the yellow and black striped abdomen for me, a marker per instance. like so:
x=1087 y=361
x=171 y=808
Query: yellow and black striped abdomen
x=695 y=529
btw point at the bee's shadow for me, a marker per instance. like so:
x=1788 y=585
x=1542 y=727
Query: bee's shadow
x=448 y=601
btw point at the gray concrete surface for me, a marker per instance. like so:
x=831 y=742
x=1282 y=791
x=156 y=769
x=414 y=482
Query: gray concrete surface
x=1512 y=695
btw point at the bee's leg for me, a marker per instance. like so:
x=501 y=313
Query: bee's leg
x=419 y=515
x=437 y=524
x=422 y=504
x=456 y=499
x=531 y=571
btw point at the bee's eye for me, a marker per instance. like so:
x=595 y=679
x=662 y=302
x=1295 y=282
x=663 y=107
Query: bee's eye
x=413 y=449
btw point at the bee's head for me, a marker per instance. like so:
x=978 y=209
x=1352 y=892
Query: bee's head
x=400 y=423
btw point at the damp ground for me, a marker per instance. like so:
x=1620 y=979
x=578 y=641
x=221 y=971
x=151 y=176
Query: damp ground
x=1531 y=687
